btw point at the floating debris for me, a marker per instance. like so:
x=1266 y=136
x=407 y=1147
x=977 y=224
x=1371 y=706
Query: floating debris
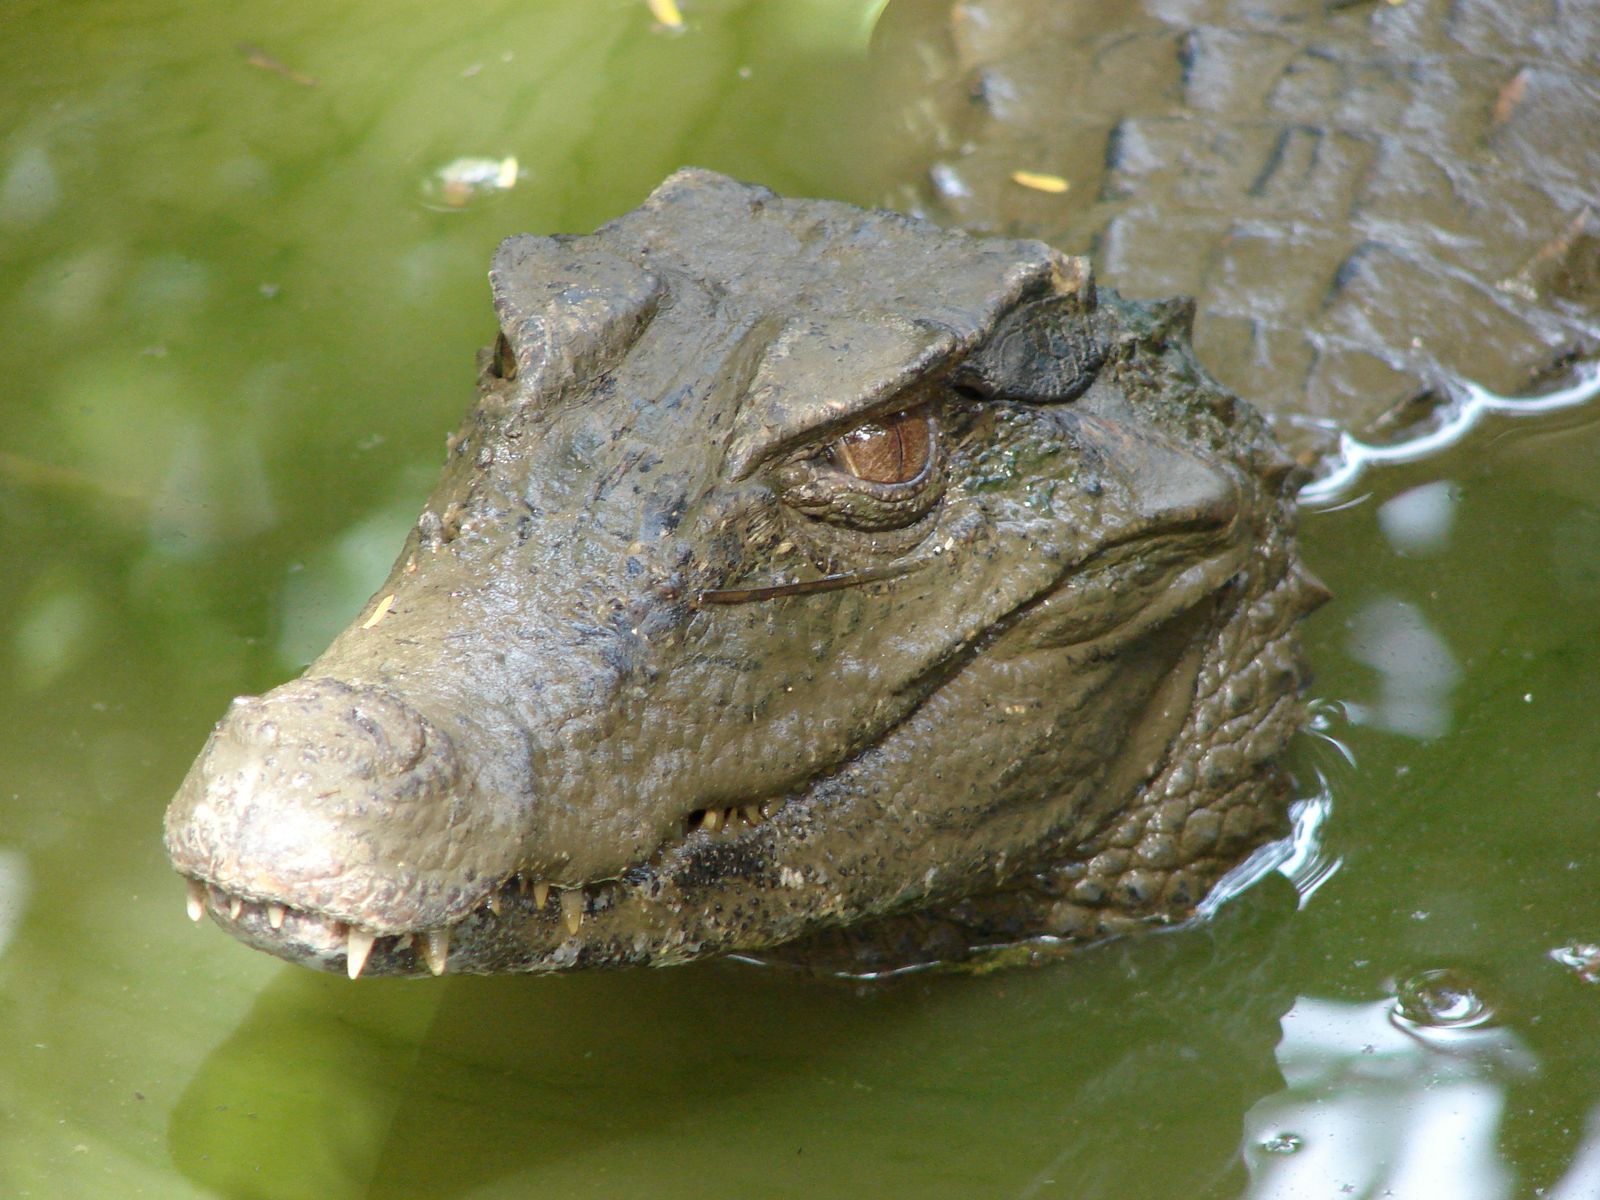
x=466 y=181
x=666 y=13
x=27 y=472
x=1581 y=958
x=1510 y=96
x=380 y=612
x=1567 y=265
x=261 y=60
x=1040 y=182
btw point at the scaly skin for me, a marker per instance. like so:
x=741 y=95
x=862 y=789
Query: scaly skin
x=1372 y=203
x=673 y=664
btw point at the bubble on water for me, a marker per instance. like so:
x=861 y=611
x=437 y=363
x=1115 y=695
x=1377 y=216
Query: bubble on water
x=1443 y=998
x=1283 y=1143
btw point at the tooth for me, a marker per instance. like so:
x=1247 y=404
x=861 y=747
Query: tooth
x=357 y=946
x=275 y=915
x=752 y=813
x=436 y=948
x=713 y=819
x=541 y=894
x=523 y=884
x=196 y=899
x=572 y=909
x=235 y=907
x=494 y=903
x=404 y=942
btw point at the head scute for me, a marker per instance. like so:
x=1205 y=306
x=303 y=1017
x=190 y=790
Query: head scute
x=564 y=302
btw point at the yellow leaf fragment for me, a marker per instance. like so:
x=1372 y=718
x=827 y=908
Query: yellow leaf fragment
x=666 y=11
x=380 y=612
x=1040 y=182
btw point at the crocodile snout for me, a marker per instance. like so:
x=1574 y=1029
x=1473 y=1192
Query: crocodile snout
x=331 y=797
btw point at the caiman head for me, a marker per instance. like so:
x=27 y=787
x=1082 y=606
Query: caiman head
x=797 y=568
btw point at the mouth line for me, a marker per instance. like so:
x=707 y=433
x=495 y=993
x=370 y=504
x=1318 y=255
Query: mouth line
x=274 y=923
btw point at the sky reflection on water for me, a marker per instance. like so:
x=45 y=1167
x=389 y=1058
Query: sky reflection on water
x=1382 y=1109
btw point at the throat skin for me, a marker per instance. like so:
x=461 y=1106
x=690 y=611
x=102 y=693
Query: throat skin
x=662 y=671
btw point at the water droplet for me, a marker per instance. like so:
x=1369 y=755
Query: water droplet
x=1283 y=1143
x=1444 y=998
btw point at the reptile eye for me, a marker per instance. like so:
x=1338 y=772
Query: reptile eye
x=504 y=363
x=885 y=473
x=895 y=450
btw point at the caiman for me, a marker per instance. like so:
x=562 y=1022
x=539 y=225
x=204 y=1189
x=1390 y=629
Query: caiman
x=829 y=584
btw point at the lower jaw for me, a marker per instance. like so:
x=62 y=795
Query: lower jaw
x=519 y=931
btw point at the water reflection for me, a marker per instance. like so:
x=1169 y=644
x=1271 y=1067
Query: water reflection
x=1376 y=1103
x=30 y=191
x=321 y=595
x=1467 y=407
x=1420 y=520
x=1332 y=764
x=54 y=628
x=213 y=491
x=1417 y=672
x=1582 y=1180
x=15 y=886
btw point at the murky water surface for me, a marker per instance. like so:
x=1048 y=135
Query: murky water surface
x=241 y=291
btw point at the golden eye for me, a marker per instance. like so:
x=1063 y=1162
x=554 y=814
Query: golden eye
x=504 y=362
x=896 y=449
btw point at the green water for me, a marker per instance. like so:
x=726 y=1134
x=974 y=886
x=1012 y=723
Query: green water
x=234 y=334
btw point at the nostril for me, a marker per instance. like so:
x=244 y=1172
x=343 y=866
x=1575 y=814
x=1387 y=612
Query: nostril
x=369 y=731
x=396 y=731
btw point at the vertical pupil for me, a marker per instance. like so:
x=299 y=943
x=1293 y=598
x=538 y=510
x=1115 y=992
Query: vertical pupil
x=894 y=450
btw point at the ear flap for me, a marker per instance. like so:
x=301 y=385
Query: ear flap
x=564 y=302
